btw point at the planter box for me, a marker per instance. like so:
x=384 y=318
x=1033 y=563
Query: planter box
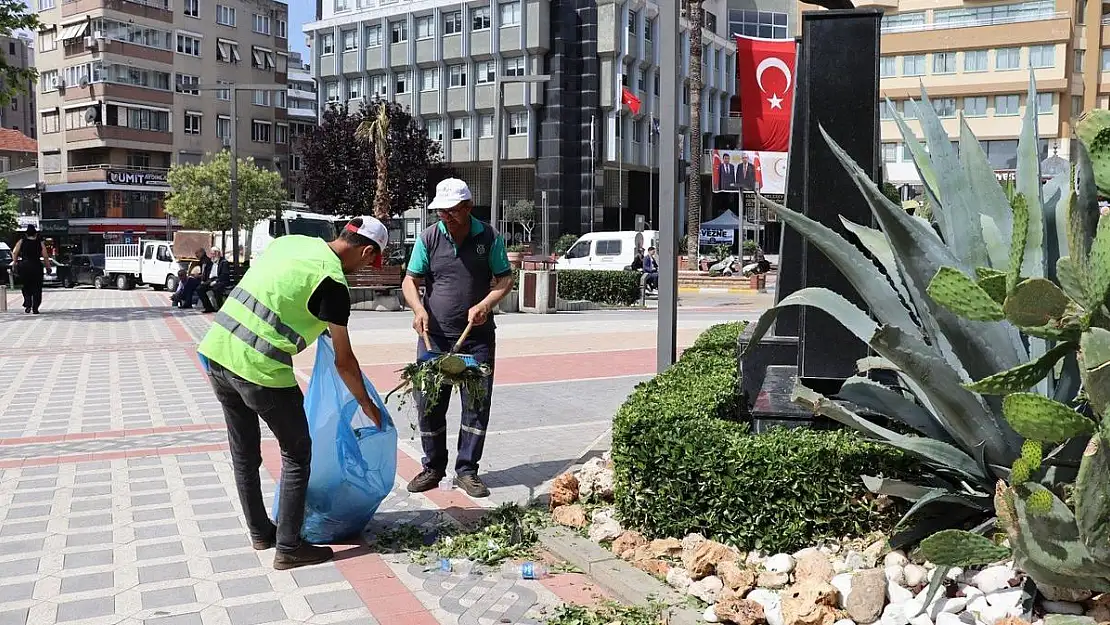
x=509 y=304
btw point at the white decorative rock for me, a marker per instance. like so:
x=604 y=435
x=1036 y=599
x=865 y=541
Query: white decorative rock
x=710 y=615
x=955 y=573
x=845 y=621
x=921 y=619
x=895 y=558
x=706 y=589
x=678 y=578
x=1062 y=607
x=897 y=594
x=1007 y=598
x=855 y=561
x=894 y=615
x=755 y=557
x=978 y=604
x=915 y=575
x=772 y=605
x=895 y=575
x=993 y=578
x=840 y=566
x=971 y=592
x=946 y=618
x=992 y=614
x=779 y=563
x=943 y=605
x=843 y=585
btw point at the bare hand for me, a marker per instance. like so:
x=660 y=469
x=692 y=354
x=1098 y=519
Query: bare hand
x=375 y=415
x=420 y=322
x=478 y=314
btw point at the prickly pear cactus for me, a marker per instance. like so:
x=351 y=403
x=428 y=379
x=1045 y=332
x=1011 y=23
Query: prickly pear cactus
x=1039 y=418
x=959 y=548
x=1093 y=129
x=957 y=292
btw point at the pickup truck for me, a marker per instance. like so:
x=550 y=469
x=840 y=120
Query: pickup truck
x=151 y=263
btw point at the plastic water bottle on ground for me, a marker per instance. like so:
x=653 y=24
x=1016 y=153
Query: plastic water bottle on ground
x=441 y=565
x=448 y=482
x=525 y=570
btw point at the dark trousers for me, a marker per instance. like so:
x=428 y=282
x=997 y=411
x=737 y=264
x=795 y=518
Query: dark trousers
x=652 y=280
x=32 y=288
x=283 y=411
x=211 y=295
x=184 y=297
x=475 y=418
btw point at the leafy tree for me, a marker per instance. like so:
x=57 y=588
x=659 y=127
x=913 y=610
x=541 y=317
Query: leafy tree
x=523 y=213
x=340 y=170
x=9 y=211
x=15 y=16
x=201 y=196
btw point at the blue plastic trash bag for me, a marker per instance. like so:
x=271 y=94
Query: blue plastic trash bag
x=354 y=464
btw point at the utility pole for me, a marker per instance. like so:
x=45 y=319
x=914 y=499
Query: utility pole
x=667 y=317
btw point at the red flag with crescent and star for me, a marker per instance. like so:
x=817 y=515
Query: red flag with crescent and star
x=765 y=73
x=631 y=101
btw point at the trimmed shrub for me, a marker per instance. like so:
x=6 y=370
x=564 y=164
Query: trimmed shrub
x=620 y=288
x=684 y=464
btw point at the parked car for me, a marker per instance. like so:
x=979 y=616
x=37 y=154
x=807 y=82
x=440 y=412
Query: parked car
x=607 y=251
x=84 y=269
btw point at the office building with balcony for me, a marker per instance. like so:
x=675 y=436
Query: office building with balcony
x=302 y=116
x=569 y=141
x=974 y=60
x=19 y=114
x=119 y=103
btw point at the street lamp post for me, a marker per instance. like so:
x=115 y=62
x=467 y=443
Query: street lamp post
x=495 y=208
x=234 y=89
x=666 y=319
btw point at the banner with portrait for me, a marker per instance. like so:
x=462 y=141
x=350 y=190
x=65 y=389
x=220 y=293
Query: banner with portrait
x=735 y=171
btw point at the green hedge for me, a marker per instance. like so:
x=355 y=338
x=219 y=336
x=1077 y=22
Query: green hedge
x=620 y=288
x=683 y=464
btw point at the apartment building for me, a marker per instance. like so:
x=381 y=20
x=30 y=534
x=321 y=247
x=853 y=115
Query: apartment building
x=19 y=51
x=302 y=115
x=120 y=102
x=974 y=58
x=570 y=140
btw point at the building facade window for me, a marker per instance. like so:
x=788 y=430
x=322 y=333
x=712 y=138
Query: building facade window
x=48 y=40
x=225 y=15
x=913 y=65
x=223 y=94
x=399 y=32
x=888 y=66
x=764 y=24
x=192 y=123
x=886 y=111
x=1079 y=56
x=1044 y=103
x=518 y=123
x=373 y=36
x=452 y=23
x=909 y=109
x=485 y=126
x=281 y=134
x=1042 y=56
x=1076 y=105
x=191 y=8
x=187 y=44
x=945 y=107
x=486 y=72
x=354 y=89
x=890 y=152
x=227 y=51
x=991 y=15
x=514 y=66
x=457 y=76
x=460 y=128
x=223 y=127
x=434 y=129
x=1106 y=60
x=261 y=131
x=327 y=44
x=649 y=29
x=187 y=84
x=425 y=27
x=902 y=22
x=261 y=97
x=282 y=28
x=429 y=79
x=342 y=5
x=975 y=106
x=377 y=85
x=262 y=24
x=350 y=40
x=479 y=18
x=510 y=14
x=1006 y=104
x=48 y=80
x=331 y=91
x=49 y=123
x=975 y=61
x=401 y=83
x=944 y=62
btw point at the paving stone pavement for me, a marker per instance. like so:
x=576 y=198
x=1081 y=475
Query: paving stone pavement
x=118 y=505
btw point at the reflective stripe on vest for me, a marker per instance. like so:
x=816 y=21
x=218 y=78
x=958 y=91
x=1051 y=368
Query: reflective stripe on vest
x=257 y=343
x=271 y=318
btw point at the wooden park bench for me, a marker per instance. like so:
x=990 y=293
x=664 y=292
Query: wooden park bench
x=377 y=286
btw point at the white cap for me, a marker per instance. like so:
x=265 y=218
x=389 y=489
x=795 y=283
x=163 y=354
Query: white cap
x=449 y=192
x=372 y=229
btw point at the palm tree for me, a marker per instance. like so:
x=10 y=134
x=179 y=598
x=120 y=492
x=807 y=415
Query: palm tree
x=693 y=204
x=375 y=130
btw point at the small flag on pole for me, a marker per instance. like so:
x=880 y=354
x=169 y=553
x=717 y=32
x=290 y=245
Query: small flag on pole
x=654 y=125
x=630 y=100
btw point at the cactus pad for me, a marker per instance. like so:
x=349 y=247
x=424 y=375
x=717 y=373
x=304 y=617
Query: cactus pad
x=1032 y=453
x=1039 y=502
x=1035 y=302
x=1094 y=362
x=995 y=286
x=962 y=549
x=1098 y=265
x=1020 y=472
x=960 y=294
x=1017 y=241
x=1072 y=276
x=1042 y=419
x=1022 y=377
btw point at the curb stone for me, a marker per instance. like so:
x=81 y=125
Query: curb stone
x=622 y=580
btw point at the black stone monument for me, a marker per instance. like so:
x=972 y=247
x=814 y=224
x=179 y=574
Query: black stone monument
x=837 y=88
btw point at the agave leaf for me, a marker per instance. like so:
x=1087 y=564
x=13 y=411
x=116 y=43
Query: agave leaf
x=880 y=297
x=1047 y=545
x=848 y=314
x=1058 y=200
x=1029 y=184
x=982 y=348
x=988 y=193
x=875 y=396
x=875 y=242
x=895 y=488
x=961 y=411
x=935 y=584
x=935 y=452
x=998 y=247
x=920 y=156
x=939 y=495
x=1092 y=502
x=1022 y=377
x=940 y=156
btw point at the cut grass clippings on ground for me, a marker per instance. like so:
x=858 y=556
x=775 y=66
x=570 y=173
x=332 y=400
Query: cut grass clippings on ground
x=507 y=532
x=606 y=614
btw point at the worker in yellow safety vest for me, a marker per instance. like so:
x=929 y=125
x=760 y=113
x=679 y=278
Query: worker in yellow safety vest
x=282 y=305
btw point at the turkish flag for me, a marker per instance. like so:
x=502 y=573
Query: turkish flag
x=630 y=100
x=765 y=71
x=715 y=170
x=758 y=173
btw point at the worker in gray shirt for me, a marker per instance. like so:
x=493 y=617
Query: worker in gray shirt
x=462 y=265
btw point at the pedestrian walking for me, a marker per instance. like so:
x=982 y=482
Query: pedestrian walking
x=280 y=307
x=32 y=260
x=464 y=269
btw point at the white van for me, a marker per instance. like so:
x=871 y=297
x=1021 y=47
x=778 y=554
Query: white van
x=607 y=251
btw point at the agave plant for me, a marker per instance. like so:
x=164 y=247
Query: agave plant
x=962 y=435
x=376 y=131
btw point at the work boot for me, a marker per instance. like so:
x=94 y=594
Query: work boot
x=473 y=485
x=427 y=480
x=305 y=555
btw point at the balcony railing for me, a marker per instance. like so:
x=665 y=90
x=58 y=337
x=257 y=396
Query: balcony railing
x=1018 y=19
x=106 y=166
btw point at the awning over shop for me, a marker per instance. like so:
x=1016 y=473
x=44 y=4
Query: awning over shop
x=70 y=187
x=73 y=31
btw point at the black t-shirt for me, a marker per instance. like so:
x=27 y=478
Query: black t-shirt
x=331 y=302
